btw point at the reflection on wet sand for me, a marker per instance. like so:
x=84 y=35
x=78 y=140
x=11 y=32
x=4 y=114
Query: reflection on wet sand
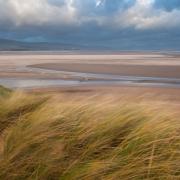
x=30 y=70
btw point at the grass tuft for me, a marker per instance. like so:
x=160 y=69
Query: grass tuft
x=72 y=138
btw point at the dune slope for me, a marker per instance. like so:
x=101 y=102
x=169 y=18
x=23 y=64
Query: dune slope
x=60 y=137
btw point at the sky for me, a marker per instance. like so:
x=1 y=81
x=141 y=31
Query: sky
x=116 y=24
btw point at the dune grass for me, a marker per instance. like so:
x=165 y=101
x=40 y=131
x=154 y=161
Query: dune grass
x=72 y=138
x=4 y=91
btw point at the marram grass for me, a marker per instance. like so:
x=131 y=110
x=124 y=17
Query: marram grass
x=49 y=138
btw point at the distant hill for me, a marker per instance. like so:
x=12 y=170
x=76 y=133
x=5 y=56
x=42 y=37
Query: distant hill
x=13 y=45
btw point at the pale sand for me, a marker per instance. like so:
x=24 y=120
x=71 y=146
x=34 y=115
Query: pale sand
x=150 y=64
x=29 y=58
x=129 y=63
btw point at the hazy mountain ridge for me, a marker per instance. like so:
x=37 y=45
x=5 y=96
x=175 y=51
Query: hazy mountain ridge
x=13 y=45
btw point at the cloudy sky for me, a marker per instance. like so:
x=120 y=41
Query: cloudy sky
x=118 y=24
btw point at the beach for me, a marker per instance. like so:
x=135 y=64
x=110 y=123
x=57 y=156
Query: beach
x=69 y=69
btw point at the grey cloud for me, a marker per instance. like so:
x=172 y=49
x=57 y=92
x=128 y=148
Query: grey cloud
x=117 y=23
x=141 y=14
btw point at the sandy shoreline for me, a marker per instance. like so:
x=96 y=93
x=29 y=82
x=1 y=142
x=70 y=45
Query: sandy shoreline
x=18 y=65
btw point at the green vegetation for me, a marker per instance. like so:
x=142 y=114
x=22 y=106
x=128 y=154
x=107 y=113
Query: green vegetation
x=4 y=91
x=55 y=137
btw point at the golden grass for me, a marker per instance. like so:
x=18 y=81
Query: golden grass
x=72 y=138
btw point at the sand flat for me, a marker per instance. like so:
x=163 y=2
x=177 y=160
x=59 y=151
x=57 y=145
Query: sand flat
x=18 y=65
x=162 y=71
x=29 y=58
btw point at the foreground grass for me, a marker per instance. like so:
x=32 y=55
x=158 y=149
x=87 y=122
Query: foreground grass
x=96 y=138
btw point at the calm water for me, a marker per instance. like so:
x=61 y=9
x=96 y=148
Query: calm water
x=33 y=83
x=103 y=79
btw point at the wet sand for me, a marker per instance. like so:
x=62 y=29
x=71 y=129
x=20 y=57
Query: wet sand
x=163 y=71
x=18 y=65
